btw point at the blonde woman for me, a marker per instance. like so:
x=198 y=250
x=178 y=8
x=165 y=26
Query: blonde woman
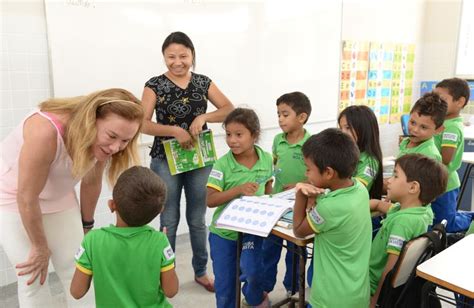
x=63 y=142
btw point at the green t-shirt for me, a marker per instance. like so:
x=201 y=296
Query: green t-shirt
x=126 y=265
x=453 y=137
x=367 y=169
x=288 y=159
x=228 y=173
x=342 y=223
x=399 y=226
x=427 y=148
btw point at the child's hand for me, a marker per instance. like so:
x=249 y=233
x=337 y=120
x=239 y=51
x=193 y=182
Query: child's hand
x=309 y=190
x=248 y=189
x=165 y=230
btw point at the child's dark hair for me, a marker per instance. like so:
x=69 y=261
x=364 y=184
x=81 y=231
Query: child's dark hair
x=430 y=174
x=298 y=101
x=363 y=121
x=456 y=87
x=332 y=148
x=139 y=195
x=182 y=39
x=431 y=105
x=246 y=117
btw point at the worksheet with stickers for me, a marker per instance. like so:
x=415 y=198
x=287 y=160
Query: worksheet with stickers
x=254 y=215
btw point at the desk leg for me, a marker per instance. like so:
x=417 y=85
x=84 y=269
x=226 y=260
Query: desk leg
x=465 y=178
x=293 y=270
x=301 y=291
x=237 y=270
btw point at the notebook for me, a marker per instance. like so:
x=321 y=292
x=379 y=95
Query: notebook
x=254 y=215
x=202 y=154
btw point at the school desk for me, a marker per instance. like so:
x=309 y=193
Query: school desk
x=468 y=159
x=288 y=235
x=452 y=268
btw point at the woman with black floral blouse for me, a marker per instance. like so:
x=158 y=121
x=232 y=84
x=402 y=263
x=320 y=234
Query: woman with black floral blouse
x=179 y=98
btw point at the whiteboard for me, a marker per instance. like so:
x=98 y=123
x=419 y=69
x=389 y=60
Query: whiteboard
x=465 y=52
x=254 y=51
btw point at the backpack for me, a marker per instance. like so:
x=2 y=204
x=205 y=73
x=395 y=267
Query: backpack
x=410 y=294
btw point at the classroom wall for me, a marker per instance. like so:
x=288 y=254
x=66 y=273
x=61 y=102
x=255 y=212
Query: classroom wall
x=25 y=74
x=25 y=78
x=387 y=21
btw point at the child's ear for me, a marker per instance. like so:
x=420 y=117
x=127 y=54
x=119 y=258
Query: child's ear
x=302 y=117
x=111 y=205
x=414 y=187
x=461 y=102
x=329 y=173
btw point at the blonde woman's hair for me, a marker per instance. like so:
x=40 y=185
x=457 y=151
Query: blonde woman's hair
x=81 y=131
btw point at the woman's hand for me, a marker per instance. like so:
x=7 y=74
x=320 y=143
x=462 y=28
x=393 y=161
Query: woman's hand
x=197 y=125
x=183 y=137
x=36 y=265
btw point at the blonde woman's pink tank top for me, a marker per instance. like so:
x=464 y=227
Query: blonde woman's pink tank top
x=58 y=193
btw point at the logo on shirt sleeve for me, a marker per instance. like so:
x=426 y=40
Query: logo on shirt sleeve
x=450 y=137
x=79 y=253
x=396 y=241
x=216 y=174
x=316 y=217
x=369 y=172
x=168 y=253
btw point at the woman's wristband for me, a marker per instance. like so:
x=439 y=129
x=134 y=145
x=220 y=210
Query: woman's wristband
x=88 y=224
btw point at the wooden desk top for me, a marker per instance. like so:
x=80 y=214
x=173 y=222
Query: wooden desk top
x=468 y=157
x=452 y=268
x=287 y=234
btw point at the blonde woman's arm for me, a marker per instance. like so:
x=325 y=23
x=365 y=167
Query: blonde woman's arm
x=156 y=129
x=36 y=155
x=221 y=102
x=91 y=186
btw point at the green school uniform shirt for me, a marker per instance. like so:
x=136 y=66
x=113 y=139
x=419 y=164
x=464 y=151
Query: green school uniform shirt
x=288 y=159
x=366 y=170
x=126 y=265
x=228 y=173
x=342 y=223
x=427 y=148
x=453 y=137
x=399 y=226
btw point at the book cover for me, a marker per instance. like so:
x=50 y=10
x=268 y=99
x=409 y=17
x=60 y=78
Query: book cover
x=253 y=215
x=202 y=154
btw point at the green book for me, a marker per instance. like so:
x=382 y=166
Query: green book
x=202 y=154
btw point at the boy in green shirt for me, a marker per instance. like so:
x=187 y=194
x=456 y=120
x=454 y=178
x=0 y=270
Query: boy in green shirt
x=426 y=120
x=339 y=218
x=131 y=264
x=417 y=180
x=450 y=143
x=294 y=110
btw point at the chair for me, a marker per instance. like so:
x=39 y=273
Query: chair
x=401 y=287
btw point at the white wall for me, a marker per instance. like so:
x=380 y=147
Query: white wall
x=24 y=74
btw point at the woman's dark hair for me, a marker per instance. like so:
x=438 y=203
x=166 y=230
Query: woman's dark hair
x=246 y=117
x=182 y=39
x=364 y=123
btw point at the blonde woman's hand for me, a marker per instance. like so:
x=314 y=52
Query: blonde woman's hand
x=36 y=265
x=197 y=125
x=184 y=138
